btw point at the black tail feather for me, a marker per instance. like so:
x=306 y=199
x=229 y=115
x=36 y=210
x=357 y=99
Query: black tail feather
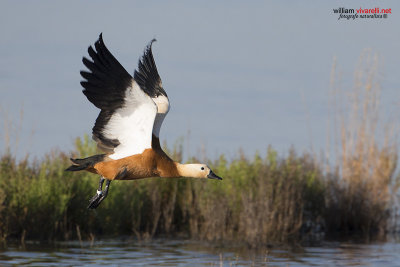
x=74 y=168
x=83 y=164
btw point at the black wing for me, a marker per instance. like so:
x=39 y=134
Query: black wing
x=147 y=77
x=107 y=80
x=105 y=86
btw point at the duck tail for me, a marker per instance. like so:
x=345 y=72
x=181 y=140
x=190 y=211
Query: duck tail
x=85 y=163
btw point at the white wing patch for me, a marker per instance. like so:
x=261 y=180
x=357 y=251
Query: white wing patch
x=132 y=124
x=163 y=106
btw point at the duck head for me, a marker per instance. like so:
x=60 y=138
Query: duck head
x=196 y=171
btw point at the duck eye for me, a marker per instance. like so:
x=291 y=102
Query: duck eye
x=202 y=168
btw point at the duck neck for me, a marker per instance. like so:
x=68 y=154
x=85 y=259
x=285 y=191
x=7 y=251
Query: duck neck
x=186 y=170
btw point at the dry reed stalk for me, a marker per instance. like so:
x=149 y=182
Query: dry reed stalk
x=367 y=160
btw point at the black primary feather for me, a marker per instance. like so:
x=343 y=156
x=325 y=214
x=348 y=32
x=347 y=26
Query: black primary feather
x=107 y=80
x=147 y=76
x=105 y=85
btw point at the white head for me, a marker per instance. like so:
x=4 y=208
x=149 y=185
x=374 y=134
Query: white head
x=196 y=171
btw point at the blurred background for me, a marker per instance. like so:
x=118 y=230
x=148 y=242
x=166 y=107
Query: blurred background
x=255 y=73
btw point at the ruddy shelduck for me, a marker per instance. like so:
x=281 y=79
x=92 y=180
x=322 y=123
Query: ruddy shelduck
x=128 y=126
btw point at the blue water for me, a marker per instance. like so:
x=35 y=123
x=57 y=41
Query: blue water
x=187 y=253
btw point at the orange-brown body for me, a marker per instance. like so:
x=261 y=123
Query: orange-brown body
x=152 y=162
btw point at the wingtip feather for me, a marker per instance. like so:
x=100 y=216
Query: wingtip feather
x=149 y=46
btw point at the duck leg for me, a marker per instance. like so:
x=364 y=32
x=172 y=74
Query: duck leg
x=100 y=195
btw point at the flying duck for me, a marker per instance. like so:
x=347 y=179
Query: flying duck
x=132 y=110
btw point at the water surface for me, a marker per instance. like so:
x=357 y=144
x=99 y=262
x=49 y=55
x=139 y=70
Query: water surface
x=188 y=253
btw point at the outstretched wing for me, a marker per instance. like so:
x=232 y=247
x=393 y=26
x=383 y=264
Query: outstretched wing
x=124 y=125
x=149 y=80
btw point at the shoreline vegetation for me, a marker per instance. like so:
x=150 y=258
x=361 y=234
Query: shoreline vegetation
x=263 y=200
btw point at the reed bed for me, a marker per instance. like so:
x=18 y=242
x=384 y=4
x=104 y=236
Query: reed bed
x=364 y=175
x=260 y=201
